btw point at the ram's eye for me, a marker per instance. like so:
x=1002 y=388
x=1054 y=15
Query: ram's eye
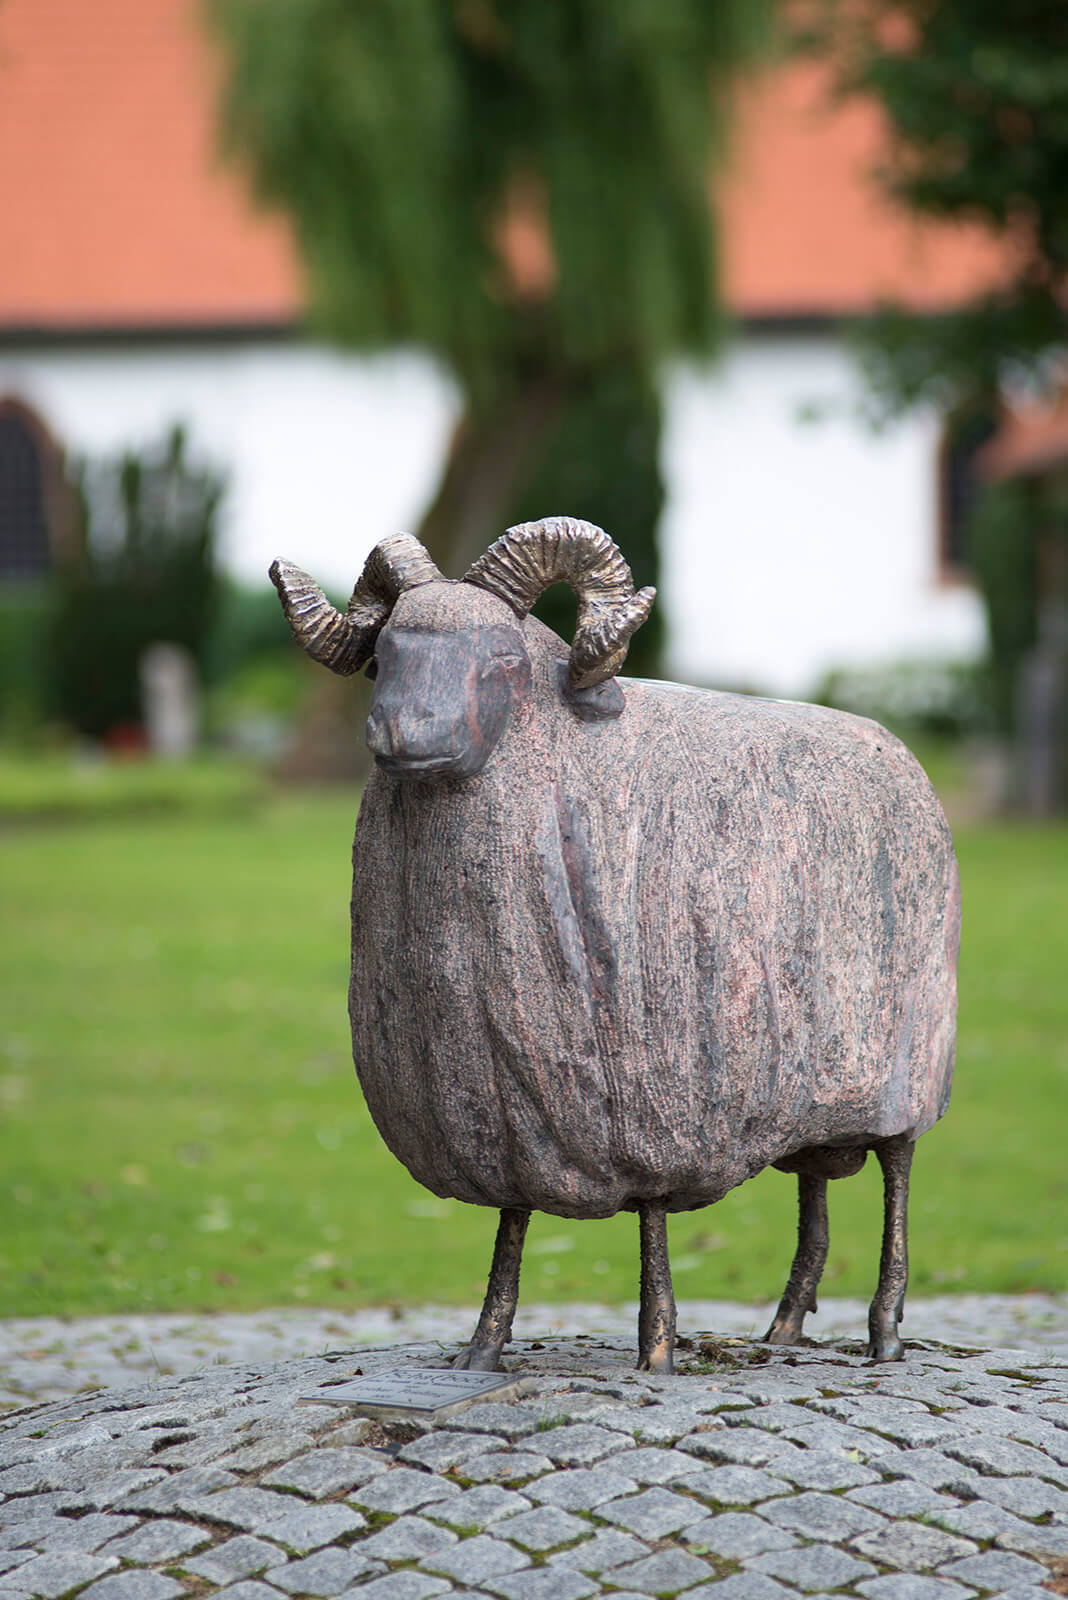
x=371 y=669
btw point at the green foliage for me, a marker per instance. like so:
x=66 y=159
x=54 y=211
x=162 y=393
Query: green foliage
x=603 y=464
x=181 y=1127
x=976 y=97
x=939 y=699
x=975 y=94
x=401 y=134
x=1004 y=539
x=25 y=613
x=146 y=575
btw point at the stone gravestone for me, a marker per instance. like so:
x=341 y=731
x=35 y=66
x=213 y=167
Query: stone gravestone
x=170 y=701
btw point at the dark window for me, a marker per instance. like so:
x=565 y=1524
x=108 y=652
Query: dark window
x=961 y=443
x=24 y=541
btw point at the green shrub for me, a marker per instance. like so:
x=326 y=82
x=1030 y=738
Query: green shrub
x=939 y=698
x=146 y=574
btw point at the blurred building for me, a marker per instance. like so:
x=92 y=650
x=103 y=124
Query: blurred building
x=138 y=288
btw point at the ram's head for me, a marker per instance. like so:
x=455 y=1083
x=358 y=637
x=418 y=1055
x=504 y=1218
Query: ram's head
x=450 y=663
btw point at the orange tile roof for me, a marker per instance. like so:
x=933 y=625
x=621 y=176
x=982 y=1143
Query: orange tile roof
x=120 y=215
x=117 y=211
x=804 y=228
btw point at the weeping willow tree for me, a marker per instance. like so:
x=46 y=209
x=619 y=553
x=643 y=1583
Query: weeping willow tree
x=520 y=187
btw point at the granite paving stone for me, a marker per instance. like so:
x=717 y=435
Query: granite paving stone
x=236 y=1558
x=162 y=1540
x=994 y=1569
x=912 y=1546
x=653 y=1513
x=474 y=1560
x=980 y=1520
x=443 y=1449
x=84 y=1534
x=13 y=1558
x=735 y=1535
x=505 y=1466
x=1041 y=1541
x=1005 y=1458
x=732 y=1485
x=402 y=1489
x=931 y=1467
x=651 y=1425
x=53 y=1575
x=258 y=1453
x=580 y=1488
x=814 y=1567
x=134 y=1585
x=823 y=1469
x=249 y=1589
x=542 y=1583
x=254 y=1510
x=656 y=1464
x=100 y=1493
x=173 y=1492
x=747 y=1446
x=309 y=1527
x=821 y=1516
x=544 y=1528
x=741 y=1586
x=477 y=1508
x=499 y=1420
x=607 y=1548
x=902 y=1497
x=579 y=1445
x=326 y=1471
x=911 y=1586
x=327 y=1572
x=666 y=1573
x=404 y=1586
x=407 y=1539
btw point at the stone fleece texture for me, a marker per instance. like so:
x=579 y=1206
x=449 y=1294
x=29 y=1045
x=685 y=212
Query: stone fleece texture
x=728 y=1507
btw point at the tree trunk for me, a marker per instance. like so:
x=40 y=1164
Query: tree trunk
x=489 y=457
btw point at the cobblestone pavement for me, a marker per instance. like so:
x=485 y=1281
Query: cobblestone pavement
x=46 y=1358
x=754 y=1473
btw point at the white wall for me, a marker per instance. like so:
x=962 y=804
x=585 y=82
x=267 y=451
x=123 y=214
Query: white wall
x=788 y=547
x=325 y=453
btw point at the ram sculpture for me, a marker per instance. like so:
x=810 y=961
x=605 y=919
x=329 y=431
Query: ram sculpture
x=620 y=945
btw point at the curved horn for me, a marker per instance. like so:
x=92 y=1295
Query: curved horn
x=344 y=642
x=529 y=557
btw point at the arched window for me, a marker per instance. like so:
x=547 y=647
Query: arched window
x=34 y=502
x=962 y=440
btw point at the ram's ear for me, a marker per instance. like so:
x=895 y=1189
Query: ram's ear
x=603 y=703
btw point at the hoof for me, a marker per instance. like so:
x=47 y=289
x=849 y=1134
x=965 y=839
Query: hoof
x=479 y=1358
x=886 y=1347
x=784 y=1331
x=660 y=1360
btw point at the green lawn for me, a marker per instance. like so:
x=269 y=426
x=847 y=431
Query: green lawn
x=181 y=1128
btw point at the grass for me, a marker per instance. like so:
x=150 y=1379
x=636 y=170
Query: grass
x=180 y=1126
x=41 y=789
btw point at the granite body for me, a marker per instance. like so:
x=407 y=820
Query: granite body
x=646 y=955
x=621 y=945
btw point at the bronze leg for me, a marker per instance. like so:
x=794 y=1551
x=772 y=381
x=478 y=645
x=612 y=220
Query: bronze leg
x=799 y=1296
x=884 y=1342
x=656 y=1317
x=494 y=1329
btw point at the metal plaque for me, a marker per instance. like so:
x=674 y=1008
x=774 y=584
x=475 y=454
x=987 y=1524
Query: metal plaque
x=425 y=1393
